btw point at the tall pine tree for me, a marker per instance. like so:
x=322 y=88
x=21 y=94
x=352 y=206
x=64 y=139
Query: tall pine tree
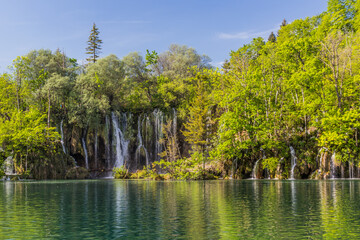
x=94 y=43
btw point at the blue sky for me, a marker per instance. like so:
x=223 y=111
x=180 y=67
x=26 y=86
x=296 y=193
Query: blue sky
x=212 y=27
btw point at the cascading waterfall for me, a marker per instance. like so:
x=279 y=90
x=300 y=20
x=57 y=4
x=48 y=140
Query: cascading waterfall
x=158 y=116
x=141 y=145
x=62 y=136
x=174 y=121
x=121 y=143
x=254 y=171
x=332 y=165
x=9 y=166
x=85 y=151
x=107 y=145
x=293 y=162
x=96 y=149
x=351 y=169
x=147 y=135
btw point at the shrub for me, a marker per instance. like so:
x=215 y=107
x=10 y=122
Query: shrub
x=121 y=173
x=270 y=163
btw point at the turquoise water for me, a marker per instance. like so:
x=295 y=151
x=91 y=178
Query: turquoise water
x=229 y=209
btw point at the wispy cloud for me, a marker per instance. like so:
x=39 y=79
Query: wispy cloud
x=247 y=34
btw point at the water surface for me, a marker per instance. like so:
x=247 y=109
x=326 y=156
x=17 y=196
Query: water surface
x=244 y=209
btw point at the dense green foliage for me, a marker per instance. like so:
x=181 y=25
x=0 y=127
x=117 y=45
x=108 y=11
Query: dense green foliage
x=300 y=89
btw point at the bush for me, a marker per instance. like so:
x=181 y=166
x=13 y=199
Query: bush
x=139 y=174
x=121 y=173
x=25 y=174
x=270 y=163
x=147 y=173
x=185 y=169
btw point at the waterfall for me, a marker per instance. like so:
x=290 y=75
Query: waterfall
x=121 y=143
x=174 y=122
x=254 y=171
x=351 y=170
x=147 y=133
x=107 y=145
x=141 y=145
x=62 y=136
x=9 y=166
x=96 y=149
x=85 y=151
x=158 y=117
x=332 y=165
x=293 y=162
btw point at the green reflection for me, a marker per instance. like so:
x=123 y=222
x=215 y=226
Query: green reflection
x=115 y=209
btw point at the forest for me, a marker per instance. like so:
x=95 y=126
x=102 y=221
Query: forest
x=285 y=107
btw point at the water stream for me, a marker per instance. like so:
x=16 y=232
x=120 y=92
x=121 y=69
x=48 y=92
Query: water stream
x=62 y=136
x=159 y=118
x=254 y=171
x=293 y=162
x=108 y=142
x=83 y=141
x=96 y=149
x=9 y=166
x=121 y=143
x=332 y=165
x=140 y=144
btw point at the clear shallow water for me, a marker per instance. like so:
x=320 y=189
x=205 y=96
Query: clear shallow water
x=115 y=209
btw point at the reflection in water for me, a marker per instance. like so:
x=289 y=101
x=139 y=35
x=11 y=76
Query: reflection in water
x=110 y=209
x=293 y=195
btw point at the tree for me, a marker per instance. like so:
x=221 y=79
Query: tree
x=196 y=128
x=141 y=83
x=20 y=68
x=272 y=37
x=94 y=43
x=99 y=90
x=178 y=59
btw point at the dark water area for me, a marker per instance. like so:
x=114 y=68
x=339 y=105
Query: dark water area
x=229 y=209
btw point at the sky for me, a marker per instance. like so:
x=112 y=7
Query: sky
x=212 y=27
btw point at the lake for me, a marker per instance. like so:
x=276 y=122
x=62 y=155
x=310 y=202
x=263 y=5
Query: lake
x=223 y=209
